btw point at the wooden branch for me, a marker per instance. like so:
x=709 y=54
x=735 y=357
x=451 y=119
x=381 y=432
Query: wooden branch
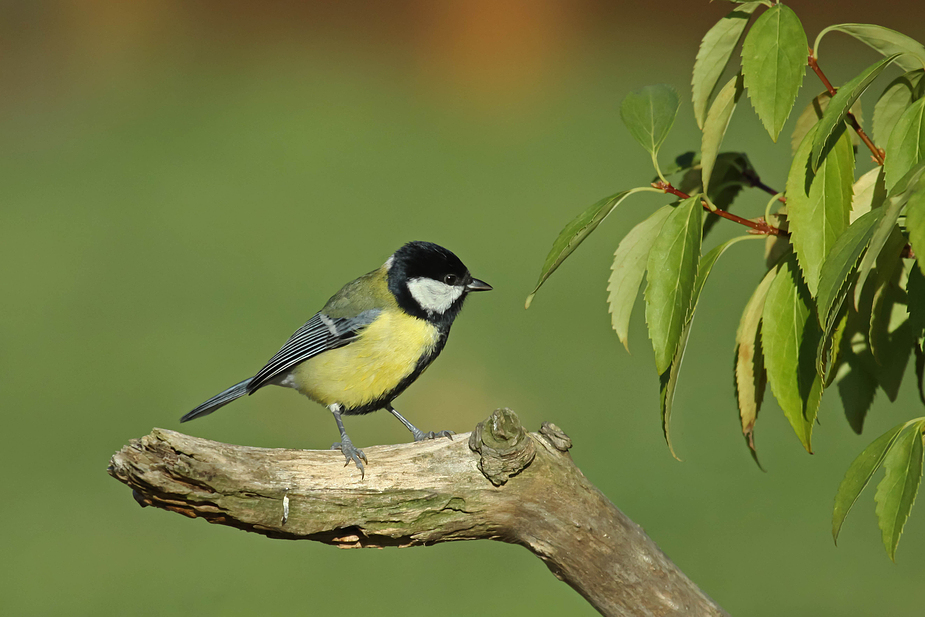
x=498 y=482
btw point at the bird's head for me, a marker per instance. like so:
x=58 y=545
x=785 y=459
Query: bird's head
x=430 y=282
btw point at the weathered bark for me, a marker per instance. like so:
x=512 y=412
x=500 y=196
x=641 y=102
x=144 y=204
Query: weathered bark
x=498 y=483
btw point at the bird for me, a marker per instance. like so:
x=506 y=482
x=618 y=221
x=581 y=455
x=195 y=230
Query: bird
x=369 y=342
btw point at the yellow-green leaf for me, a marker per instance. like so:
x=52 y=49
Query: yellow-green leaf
x=859 y=474
x=629 y=266
x=574 y=234
x=906 y=147
x=774 y=58
x=714 y=53
x=790 y=336
x=818 y=203
x=896 y=492
x=671 y=271
x=715 y=127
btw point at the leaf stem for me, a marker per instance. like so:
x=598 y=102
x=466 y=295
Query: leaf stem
x=877 y=153
x=760 y=226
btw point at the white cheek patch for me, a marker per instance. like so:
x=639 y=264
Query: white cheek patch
x=434 y=296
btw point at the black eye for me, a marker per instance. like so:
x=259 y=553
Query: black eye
x=450 y=279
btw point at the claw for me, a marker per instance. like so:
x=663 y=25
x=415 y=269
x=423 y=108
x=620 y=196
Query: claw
x=421 y=435
x=352 y=454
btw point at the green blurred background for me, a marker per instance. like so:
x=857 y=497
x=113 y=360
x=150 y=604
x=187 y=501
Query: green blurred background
x=185 y=183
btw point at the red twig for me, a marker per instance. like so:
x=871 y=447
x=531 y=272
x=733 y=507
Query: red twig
x=759 y=225
x=877 y=153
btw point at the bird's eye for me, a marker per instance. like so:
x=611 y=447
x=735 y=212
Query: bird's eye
x=450 y=279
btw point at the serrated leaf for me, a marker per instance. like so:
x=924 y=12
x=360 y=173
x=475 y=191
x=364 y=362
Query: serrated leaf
x=859 y=474
x=671 y=273
x=668 y=380
x=750 y=375
x=649 y=114
x=896 y=200
x=906 y=147
x=811 y=115
x=818 y=203
x=834 y=116
x=574 y=234
x=790 y=337
x=896 y=492
x=714 y=53
x=715 y=127
x=915 y=221
x=885 y=41
x=841 y=261
x=869 y=194
x=834 y=278
x=774 y=59
x=629 y=266
x=896 y=97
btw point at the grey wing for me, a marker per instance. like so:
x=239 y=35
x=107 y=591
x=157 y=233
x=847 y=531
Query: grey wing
x=319 y=334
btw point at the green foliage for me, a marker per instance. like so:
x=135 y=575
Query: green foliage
x=672 y=268
x=843 y=300
x=714 y=55
x=834 y=116
x=649 y=114
x=773 y=61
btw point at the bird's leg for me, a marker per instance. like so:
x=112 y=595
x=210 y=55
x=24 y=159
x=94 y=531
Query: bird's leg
x=351 y=452
x=419 y=435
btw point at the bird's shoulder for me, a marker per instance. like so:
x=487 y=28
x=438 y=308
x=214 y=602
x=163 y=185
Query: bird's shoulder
x=369 y=292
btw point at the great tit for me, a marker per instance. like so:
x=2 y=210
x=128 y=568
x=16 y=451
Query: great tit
x=371 y=340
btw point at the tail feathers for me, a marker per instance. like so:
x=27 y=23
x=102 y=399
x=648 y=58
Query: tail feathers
x=217 y=401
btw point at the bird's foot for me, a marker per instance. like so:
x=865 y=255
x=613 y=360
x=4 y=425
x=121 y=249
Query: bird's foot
x=352 y=453
x=420 y=435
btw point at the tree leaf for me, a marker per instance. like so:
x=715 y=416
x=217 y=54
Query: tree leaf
x=896 y=200
x=671 y=273
x=629 y=266
x=818 y=203
x=906 y=146
x=915 y=221
x=840 y=104
x=649 y=114
x=884 y=40
x=574 y=234
x=715 y=127
x=790 y=337
x=812 y=113
x=750 y=375
x=896 y=97
x=834 y=277
x=859 y=474
x=896 y=492
x=773 y=60
x=869 y=194
x=668 y=380
x=715 y=51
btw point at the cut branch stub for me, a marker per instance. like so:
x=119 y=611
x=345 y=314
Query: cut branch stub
x=504 y=447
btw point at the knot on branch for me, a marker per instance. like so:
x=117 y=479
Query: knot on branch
x=504 y=446
x=555 y=436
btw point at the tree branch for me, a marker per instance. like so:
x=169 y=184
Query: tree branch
x=497 y=483
x=759 y=226
x=877 y=153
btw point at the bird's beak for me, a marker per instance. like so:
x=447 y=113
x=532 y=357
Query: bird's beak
x=477 y=285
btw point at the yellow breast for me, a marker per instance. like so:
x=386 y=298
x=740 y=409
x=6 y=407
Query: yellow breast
x=365 y=370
